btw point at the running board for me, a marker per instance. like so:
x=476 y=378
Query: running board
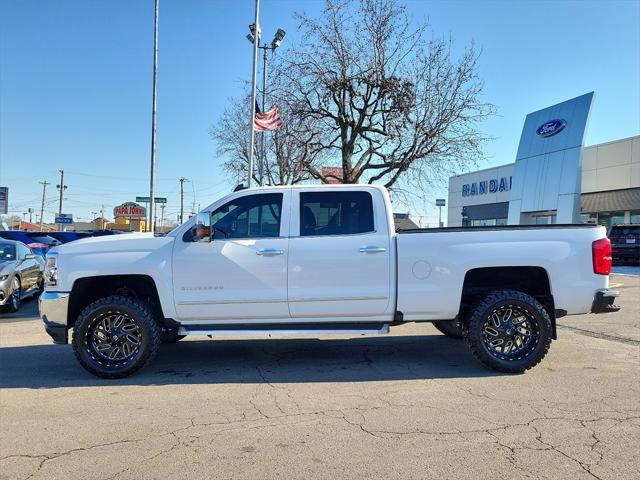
x=291 y=329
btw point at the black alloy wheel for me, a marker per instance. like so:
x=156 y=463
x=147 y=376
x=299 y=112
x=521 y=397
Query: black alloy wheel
x=116 y=336
x=509 y=331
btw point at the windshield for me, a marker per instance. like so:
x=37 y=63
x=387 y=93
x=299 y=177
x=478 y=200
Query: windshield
x=7 y=252
x=624 y=230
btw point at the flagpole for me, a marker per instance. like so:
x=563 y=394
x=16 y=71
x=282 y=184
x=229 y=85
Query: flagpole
x=256 y=41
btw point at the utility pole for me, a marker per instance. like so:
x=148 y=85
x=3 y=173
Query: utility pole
x=30 y=210
x=44 y=188
x=152 y=183
x=101 y=217
x=182 y=180
x=62 y=187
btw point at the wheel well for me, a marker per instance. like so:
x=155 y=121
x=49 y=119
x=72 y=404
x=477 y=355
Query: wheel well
x=87 y=290
x=533 y=281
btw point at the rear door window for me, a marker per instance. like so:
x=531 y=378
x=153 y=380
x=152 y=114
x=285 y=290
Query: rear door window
x=335 y=213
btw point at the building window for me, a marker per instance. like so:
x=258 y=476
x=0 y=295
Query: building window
x=544 y=219
x=635 y=217
x=487 y=222
x=590 y=218
x=608 y=219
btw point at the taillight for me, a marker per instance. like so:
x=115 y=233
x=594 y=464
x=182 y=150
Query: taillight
x=601 y=251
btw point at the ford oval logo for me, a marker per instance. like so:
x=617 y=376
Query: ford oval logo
x=550 y=128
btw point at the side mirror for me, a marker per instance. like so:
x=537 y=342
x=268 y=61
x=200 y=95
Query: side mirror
x=203 y=231
x=29 y=256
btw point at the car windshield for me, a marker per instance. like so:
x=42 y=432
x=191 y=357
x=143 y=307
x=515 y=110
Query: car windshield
x=626 y=230
x=7 y=252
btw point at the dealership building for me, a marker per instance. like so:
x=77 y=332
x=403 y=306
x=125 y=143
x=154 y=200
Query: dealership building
x=554 y=179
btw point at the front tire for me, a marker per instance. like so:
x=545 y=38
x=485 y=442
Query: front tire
x=116 y=336
x=509 y=331
x=16 y=296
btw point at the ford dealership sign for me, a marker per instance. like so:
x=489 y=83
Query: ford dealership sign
x=550 y=128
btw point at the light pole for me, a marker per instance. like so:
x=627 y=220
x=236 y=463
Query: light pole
x=152 y=182
x=275 y=43
x=254 y=37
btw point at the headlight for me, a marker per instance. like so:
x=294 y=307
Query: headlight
x=3 y=277
x=51 y=271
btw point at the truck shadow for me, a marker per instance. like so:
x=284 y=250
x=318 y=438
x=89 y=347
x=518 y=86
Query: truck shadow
x=256 y=361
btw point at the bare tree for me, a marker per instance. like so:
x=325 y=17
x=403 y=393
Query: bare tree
x=287 y=157
x=379 y=97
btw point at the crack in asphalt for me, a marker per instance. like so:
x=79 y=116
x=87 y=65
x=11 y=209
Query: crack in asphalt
x=347 y=415
x=602 y=336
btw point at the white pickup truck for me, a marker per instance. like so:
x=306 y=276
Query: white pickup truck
x=316 y=260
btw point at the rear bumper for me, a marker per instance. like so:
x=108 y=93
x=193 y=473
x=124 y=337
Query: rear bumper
x=603 y=301
x=53 y=311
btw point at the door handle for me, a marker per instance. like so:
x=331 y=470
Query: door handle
x=372 y=249
x=269 y=252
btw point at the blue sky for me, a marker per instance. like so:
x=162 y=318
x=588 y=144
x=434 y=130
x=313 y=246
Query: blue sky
x=75 y=85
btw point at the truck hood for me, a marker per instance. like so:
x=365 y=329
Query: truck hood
x=113 y=243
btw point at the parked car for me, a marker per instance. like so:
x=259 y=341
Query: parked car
x=314 y=260
x=21 y=274
x=37 y=247
x=625 y=244
x=66 y=237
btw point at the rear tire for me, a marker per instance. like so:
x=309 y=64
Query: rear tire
x=509 y=331
x=450 y=328
x=116 y=336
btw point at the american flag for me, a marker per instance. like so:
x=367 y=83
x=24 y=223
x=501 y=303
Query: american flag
x=269 y=120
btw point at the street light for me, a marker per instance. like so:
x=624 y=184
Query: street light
x=275 y=43
x=277 y=40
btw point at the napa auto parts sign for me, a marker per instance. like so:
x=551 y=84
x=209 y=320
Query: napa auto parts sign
x=130 y=210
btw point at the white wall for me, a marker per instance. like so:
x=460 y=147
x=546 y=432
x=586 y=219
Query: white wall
x=611 y=166
x=456 y=201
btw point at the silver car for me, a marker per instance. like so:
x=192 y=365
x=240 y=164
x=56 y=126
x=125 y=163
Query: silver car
x=21 y=274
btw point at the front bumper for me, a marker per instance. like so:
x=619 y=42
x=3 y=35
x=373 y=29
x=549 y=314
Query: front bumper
x=54 y=307
x=603 y=301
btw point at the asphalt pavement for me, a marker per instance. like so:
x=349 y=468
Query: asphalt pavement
x=412 y=404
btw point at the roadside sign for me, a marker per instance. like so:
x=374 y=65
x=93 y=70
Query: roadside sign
x=64 y=218
x=155 y=199
x=440 y=202
x=4 y=200
x=130 y=210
